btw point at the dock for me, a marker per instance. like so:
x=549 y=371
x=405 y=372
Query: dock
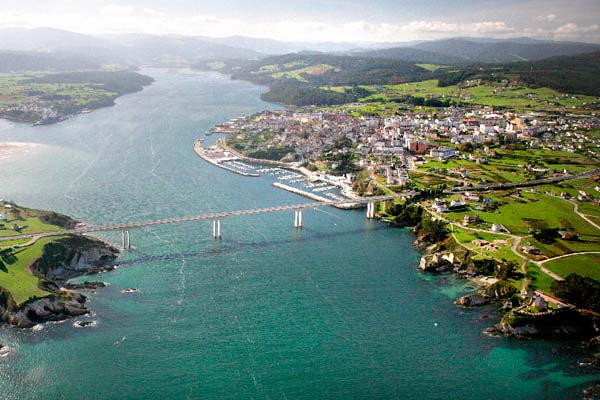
x=202 y=153
x=312 y=196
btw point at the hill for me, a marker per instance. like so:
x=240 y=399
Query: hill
x=297 y=78
x=572 y=74
x=498 y=51
x=325 y=69
x=13 y=61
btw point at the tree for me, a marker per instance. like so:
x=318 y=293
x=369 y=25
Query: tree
x=546 y=235
x=581 y=291
x=506 y=269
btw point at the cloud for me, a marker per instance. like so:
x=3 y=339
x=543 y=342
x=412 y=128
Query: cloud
x=547 y=18
x=125 y=18
x=118 y=11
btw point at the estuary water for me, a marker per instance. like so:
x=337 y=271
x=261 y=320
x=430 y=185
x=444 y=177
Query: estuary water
x=334 y=311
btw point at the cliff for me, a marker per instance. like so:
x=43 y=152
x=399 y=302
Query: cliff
x=61 y=260
x=561 y=324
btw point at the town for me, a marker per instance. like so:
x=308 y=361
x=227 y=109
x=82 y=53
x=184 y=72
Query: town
x=511 y=185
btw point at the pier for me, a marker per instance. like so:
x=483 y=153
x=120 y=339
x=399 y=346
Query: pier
x=218 y=161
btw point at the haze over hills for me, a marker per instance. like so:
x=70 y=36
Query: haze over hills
x=12 y=61
x=482 y=50
x=180 y=50
x=44 y=49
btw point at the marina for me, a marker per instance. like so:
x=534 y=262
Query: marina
x=224 y=159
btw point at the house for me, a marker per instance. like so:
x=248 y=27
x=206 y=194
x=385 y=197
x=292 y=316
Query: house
x=567 y=235
x=456 y=205
x=442 y=153
x=440 y=207
x=497 y=228
x=3 y=217
x=530 y=250
x=471 y=219
x=540 y=303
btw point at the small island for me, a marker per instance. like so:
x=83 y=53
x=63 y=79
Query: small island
x=34 y=272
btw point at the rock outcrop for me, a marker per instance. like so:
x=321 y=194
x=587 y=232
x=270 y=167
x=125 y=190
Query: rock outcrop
x=496 y=292
x=74 y=256
x=51 y=308
x=566 y=323
x=62 y=260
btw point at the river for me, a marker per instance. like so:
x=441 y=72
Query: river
x=334 y=311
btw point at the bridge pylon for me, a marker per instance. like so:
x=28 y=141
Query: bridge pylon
x=370 y=210
x=298 y=219
x=125 y=240
x=217 y=229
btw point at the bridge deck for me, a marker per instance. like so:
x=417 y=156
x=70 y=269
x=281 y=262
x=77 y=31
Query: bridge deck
x=205 y=217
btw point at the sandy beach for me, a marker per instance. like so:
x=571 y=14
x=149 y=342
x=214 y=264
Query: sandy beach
x=12 y=148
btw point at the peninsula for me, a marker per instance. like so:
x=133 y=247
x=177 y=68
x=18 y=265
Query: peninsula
x=41 y=98
x=34 y=272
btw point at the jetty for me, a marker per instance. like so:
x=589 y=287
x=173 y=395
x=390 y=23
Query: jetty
x=312 y=196
x=219 y=157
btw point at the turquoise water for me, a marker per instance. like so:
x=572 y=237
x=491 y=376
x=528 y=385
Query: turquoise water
x=335 y=311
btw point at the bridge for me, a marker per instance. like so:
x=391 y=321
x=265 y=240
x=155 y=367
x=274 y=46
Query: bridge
x=216 y=218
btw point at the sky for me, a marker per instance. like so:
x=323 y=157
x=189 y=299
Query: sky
x=316 y=20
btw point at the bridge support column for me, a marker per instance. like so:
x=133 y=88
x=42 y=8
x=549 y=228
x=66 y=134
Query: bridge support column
x=217 y=229
x=298 y=219
x=370 y=210
x=125 y=240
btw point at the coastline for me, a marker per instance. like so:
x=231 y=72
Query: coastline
x=200 y=152
x=70 y=257
x=570 y=324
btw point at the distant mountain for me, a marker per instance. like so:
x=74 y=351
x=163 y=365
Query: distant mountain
x=151 y=49
x=568 y=74
x=497 y=51
x=276 y=47
x=12 y=61
x=459 y=51
x=121 y=49
x=47 y=40
x=325 y=69
x=413 y=55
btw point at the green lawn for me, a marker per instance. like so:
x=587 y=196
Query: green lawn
x=584 y=265
x=15 y=276
x=539 y=280
x=466 y=237
x=431 y=67
x=486 y=94
x=28 y=225
x=309 y=70
x=540 y=210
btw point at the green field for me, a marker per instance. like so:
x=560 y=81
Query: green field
x=15 y=275
x=28 y=221
x=486 y=94
x=309 y=70
x=466 y=238
x=537 y=210
x=431 y=67
x=18 y=89
x=507 y=165
x=539 y=280
x=584 y=265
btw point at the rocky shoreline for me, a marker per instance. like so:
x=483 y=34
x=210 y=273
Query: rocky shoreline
x=562 y=322
x=66 y=259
